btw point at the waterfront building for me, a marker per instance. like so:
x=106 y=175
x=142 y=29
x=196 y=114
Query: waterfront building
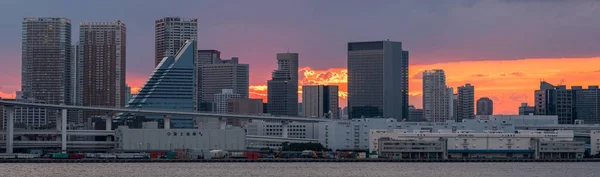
x=154 y=139
x=399 y=143
x=170 y=86
x=320 y=101
x=283 y=87
x=595 y=142
x=267 y=128
x=103 y=46
x=46 y=60
x=435 y=96
x=171 y=33
x=485 y=106
x=377 y=80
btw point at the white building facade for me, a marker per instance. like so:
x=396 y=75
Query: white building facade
x=490 y=144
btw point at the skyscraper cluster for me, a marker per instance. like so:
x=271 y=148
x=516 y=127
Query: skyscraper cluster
x=440 y=104
x=574 y=105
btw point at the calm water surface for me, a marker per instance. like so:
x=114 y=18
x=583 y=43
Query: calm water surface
x=302 y=169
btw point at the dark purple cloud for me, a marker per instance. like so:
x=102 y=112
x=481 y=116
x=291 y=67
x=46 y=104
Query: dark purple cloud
x=434 y=31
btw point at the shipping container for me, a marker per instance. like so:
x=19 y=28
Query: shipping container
x=238 y=155
x=171 y=155
x=76 y=156
x=60 y=156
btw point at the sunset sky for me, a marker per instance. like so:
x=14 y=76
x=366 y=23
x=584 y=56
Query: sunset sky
x=504 y=47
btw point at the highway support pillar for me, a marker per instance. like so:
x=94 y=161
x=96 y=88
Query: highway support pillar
x=63 y=130
x=10 y=128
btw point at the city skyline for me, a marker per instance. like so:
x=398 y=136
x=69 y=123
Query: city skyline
x=481 y=64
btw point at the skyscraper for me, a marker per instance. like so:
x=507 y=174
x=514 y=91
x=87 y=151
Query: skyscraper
x=283 y=87
x=104 y=60
x=377 y=80
x=170 y=86
x=485 y=106
x=435 y=96
x=171 y=34
x=466 y=102
x=46 y=60
x=223 y=74
x=320 y=101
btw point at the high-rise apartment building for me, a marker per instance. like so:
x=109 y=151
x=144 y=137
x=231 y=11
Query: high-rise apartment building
x=435 y=96
x=377 y=80
x=485 y=106
x=466 y=102
x=46 y=61
x=171 y=34
x=221 y=100
x=282 y=90
x=223 y=74
x=320 y=101
x=103 y=46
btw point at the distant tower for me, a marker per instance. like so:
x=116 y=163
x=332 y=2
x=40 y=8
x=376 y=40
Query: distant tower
x=46 y=61
x=485 y=106
x=466 y=100
x=377 y=80
x=283 y=87
x=171 y=34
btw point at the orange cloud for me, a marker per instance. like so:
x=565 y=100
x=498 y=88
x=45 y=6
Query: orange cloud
x=309 y=76
x=510 y=82
x=6 y=95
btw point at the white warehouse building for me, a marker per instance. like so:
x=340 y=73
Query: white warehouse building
x=468 y=144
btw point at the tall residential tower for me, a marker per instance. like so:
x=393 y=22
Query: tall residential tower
x=171 y=34
x=104 y=52
x=377 y=80
x=466 y=102
x=436 y=99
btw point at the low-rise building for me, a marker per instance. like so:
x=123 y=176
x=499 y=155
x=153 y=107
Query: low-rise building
x=169 y=139
x=294 y=130
x=595 y=142
x=468 y=144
